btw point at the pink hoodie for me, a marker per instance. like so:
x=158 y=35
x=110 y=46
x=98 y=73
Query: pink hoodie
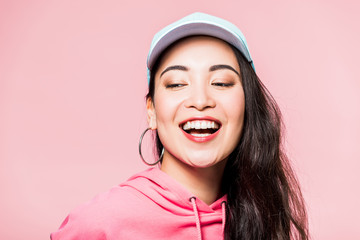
x=150 y=205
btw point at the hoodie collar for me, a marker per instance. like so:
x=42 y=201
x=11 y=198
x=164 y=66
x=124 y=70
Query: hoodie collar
x=164 y=189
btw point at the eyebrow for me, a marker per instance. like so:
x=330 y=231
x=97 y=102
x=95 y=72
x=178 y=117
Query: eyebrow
x=175 y=67
x=211 y=69
x=221 y=67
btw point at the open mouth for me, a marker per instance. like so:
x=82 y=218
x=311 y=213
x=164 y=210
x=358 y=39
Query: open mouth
x=200 y=128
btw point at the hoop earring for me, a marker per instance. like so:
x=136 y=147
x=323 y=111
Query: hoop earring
x=140 y=142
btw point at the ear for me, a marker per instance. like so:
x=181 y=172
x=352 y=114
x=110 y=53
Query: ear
x=151 y=114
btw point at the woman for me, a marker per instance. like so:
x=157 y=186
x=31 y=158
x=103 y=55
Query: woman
x=223 y=174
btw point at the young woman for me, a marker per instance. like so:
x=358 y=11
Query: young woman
x=222 y=172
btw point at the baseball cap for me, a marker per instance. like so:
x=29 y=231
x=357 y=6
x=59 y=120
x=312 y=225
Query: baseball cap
x=197 y=24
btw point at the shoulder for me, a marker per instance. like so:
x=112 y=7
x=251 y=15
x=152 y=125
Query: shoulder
x=104 y=215
x=107 y=205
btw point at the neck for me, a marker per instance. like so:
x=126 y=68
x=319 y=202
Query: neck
x=204 y=183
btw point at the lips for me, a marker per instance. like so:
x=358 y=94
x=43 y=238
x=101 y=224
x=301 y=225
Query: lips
x=200 y=129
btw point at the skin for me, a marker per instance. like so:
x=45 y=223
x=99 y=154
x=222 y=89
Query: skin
x=198 y=77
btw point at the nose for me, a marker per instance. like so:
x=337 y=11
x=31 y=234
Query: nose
x=200 y=98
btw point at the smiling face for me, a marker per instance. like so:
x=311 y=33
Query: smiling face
x=198 y=106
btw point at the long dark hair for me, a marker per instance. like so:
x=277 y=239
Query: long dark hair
x=264 y=197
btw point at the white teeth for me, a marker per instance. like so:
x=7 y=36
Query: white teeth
x=201 y=134
x=200 y=124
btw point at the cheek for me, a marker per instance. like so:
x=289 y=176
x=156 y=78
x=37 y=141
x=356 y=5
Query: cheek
x=235 y=110
x=165 y=108
x=234 y=106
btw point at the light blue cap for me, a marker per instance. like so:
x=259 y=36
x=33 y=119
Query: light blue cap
x=197 y=24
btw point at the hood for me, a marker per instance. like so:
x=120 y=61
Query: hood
x=170 y=195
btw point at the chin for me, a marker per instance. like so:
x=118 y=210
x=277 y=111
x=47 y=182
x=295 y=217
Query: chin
x=203 y=163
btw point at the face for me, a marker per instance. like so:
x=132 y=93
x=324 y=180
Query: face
x=198 y=105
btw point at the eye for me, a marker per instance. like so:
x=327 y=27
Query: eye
x=175 y=85
x=223 y=84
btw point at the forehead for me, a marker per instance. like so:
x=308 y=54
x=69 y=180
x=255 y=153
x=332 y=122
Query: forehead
x=199 y=48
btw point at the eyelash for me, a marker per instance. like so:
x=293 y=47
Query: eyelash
x=217 y=84
x=220 y=84
x=175 y=85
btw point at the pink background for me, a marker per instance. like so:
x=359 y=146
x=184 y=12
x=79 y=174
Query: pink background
x=72 y=87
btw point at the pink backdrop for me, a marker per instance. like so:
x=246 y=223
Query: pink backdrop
x=72 y=87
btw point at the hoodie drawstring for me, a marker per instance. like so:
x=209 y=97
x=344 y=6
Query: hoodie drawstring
x=223 y=206
x=197 y=219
